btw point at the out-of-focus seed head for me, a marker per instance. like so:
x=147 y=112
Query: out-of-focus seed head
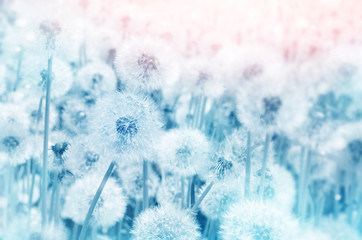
x=165 y=222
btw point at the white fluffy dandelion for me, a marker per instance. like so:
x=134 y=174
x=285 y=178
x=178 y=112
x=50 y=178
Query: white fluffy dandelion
x=184 y=152
x=14 y=144
x=255 y=220
x=132 y=179
x=96 y=76
x=165 y=222
x=220 y=198
x=34 y=74
x=146 y=65
x=127 y=122
x=110 y=207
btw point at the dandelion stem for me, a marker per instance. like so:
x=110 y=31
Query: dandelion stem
x=263 y=168
x=45 y=146
x=304 y=185
x=248 y=166
x=18 y=77
x=75 y=231
x=188 y=199
x=192 y=194
x=182 y=192
x=94 y=201
x=145 y=185
x=203 y=195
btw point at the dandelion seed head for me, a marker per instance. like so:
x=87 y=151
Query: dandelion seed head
x=169 y=190
x=34 y=75
x=14 y=143
x=87 y=155
x=110 y=207
x=96 y=76
x=131 y=177
x=76 y=116
x=222 y=195
x=184 y=152
x=224 y=166
x=165 y=222
x=279 y=187
x=50 y=29
x=127 y=122
x=146 y=65
x=255 y=220
x=203 y=79
x=58 y=150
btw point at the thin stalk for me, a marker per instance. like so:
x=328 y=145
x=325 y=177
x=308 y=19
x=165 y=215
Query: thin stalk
x=94 y=232
x=75 y=232
x=188 y=198
x=182 y=192
x=300 y=185
x=263 y=168
x=203 y=195
x=145 y=184
x=305 y=186
x=18 y=70
x=248 y=167
x=30 y=203
x=192 y=194
x=45 y=146
x=137 y=208
x=95 y=200
x=206 y=230
x=319 y=209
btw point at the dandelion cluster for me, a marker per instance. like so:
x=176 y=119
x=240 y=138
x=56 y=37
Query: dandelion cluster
x=180 y=120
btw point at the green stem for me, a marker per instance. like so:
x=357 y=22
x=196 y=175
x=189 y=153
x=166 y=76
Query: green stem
x=45 y=146
x=94 y=201
x=263 y=168
x=248 y=167
x=145 y=184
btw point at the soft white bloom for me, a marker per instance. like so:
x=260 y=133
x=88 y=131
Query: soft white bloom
x=184 y=152
x=165 y=222
x=111 y=205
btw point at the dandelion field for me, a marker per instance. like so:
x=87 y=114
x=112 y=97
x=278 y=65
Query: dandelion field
x=185 y=120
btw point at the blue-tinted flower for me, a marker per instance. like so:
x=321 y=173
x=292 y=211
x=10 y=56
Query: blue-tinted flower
x=127 y=122
x=110 y=207
x=184 y=152
x=14 y=143
x=146 y=65
x=221 y=197
x=165 y=222
x=96 y=76
x=131 y=177
x=169 y=190
x=279 y=187
x=34 y=74
x=255 y=220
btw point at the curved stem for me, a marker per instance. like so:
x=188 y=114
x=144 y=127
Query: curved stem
x=94 y=201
